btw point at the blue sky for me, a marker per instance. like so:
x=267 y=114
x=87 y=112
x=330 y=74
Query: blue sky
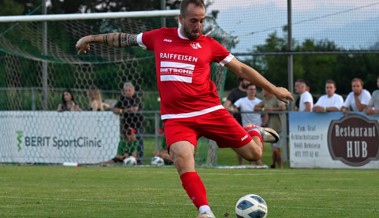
x=351 y=24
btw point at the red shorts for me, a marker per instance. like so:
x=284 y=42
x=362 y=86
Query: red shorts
x=218 y=125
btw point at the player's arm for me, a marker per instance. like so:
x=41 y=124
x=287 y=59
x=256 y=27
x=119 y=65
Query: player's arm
x=109 y=39
x=244 y=71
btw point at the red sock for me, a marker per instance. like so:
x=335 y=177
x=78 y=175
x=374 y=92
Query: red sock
x=195 y=188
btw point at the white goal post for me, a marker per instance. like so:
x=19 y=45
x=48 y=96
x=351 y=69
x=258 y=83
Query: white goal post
x=40 y=62
x=89 y=16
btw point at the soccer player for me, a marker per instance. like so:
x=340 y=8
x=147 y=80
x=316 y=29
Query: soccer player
x=190 y=105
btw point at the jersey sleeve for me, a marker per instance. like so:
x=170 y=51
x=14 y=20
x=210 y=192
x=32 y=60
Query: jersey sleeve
x=221 y=54
x=146 y=39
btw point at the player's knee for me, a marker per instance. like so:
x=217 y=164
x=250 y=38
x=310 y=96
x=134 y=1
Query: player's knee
x=256 y=153
x=183 y=163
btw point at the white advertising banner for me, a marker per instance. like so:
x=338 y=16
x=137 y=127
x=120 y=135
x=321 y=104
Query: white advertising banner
x=333 y=140
x=57 y=137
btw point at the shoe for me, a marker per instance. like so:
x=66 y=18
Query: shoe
x=268 y=134
x=206 y=215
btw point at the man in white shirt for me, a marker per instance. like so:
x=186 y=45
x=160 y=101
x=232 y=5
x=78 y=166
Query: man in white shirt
x=358 y=99
x=246 y=106
x=373 y=104
x=331 y=101
x=306 y=99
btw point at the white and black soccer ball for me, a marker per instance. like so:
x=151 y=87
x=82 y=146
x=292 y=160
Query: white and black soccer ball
x=251 y=206
x=157 y=161
x=130 y=161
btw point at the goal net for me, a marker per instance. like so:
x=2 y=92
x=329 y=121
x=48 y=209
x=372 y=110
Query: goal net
x=39 y=62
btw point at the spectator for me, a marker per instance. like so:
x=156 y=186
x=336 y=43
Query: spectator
x=162 y=150
x=269 y=104
x=306 y=99
x=126 y=147
x=245 y=106
x=95 y=100
x=234 y=95
x=68 y=102
x=357 y=99
x=331 y=101
x=129 y=108
x=373 y=104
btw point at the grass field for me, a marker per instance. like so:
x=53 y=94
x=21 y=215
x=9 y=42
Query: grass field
x=57 y=191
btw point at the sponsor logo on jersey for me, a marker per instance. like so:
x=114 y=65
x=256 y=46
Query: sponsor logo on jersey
x=167 y=40
x=243 y=138
x=195 y=45
x=354 y=140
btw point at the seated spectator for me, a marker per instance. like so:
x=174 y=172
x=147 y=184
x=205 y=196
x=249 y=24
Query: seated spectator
x=95 y=100
x=373 y=104
x=357 y=99
x=331 y=101
x=127 y=146
x=162 y=151
x=68 y=102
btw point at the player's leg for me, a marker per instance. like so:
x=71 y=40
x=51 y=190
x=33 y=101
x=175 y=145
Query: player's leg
x=227 y=132
x=252 y=151
x=181 y=138
x=182 y=154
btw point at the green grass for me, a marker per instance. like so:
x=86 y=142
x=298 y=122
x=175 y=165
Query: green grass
x=57 y=192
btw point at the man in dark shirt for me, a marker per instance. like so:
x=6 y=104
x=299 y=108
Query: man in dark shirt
x=128 y=107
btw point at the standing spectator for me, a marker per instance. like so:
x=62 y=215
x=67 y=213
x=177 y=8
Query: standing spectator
x=331 y=101
x=245 y=106
x=234 y=95
x=373 y=104
x=95 y=100
x=357 y=99
x=306 y=99
x=190 y=105
x=129 y=108
x=274 y=120
x=68 y=102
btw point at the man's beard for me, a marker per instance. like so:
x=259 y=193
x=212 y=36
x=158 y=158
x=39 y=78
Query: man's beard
x=189 y=35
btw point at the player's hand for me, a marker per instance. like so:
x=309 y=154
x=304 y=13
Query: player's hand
x=82 y=46
x=283 y=94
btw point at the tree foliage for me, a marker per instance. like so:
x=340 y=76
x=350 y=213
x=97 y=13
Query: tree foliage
x=316 y=68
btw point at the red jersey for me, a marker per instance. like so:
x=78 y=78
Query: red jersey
x=183 y=69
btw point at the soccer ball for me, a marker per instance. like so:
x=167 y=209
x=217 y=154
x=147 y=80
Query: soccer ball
x=251 y=206
x=157 y=161
x=130 y=161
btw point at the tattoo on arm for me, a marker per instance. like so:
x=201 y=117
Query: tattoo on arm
x=128 y=40
x=114 y=40
x=105 y=39
x=119 y=39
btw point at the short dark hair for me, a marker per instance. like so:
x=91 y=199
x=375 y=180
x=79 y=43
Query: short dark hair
x=185 y=3
x=329 y=81
x=357 y=79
